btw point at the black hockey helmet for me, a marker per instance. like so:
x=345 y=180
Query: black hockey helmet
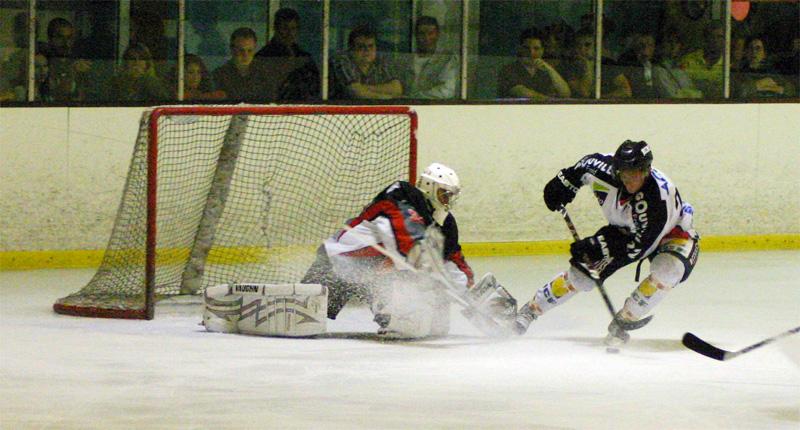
x=633 y=155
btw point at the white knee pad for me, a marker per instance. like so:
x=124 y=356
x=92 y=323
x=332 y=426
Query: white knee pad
x=667 y=269
x=581 y=280
x=644 y=298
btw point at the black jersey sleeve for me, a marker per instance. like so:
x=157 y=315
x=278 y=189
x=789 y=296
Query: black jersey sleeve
x=596 y=164
x=452 y=249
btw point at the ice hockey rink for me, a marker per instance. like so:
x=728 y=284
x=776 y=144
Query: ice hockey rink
x=61 y=372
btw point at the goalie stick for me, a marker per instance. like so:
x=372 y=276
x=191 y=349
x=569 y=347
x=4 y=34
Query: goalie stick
x=702 y=347
x=485 y=323
x=625 y=325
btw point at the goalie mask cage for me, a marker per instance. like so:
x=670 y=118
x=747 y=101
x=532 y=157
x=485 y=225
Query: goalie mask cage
x=219 y=194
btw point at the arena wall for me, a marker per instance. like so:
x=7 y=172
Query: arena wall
x=63 y=169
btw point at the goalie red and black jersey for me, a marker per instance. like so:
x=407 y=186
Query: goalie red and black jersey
x=399 y=216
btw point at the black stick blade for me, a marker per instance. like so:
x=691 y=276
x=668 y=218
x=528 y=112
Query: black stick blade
x=702 y=347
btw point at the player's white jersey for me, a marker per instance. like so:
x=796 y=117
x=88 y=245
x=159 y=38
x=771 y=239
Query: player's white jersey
x=648 y=215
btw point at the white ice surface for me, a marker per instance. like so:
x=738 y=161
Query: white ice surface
x=61 y=372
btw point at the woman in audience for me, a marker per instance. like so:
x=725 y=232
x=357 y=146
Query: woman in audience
x=758 y=77
x=197 y=83
x=669 y=79
x=137 y=81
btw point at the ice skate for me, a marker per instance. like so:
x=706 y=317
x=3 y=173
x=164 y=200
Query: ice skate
x=616 y=335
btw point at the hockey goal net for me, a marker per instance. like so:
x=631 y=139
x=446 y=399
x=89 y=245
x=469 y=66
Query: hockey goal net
x=219 y=194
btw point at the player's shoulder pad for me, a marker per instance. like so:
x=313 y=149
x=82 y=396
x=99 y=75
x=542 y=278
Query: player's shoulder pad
x=597 y=164
x=399 y=191
x=665 y=185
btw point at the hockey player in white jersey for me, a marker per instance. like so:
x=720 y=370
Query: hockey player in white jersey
x=647 y=219
x=405 y=303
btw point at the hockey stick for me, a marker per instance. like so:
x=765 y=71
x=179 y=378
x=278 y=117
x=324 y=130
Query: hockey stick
x=476 y=316
x=702 y=347
x=625 y=325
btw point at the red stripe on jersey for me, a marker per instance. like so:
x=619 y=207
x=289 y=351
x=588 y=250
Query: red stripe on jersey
x=677 y=233
x=389 y=208
x=458 y=258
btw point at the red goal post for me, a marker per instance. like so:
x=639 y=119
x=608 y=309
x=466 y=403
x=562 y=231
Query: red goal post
x=243 y=193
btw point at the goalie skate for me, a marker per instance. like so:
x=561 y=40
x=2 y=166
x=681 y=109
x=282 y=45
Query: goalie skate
x=525 y=317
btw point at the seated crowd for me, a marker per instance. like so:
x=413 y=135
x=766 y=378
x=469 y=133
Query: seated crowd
x=557 y=62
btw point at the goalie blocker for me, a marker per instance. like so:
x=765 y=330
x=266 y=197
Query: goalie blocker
x=284 y=310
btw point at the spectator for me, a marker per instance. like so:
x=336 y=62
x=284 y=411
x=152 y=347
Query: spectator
x=578 y=70
x=67 y=73
x=243 y=77
x=530 y=76
x=15 y=63
x=671 y=81
x=758 y=77
x=637 y=64
x=289 y=64
x=431 y=74
x=790 y=64
x=361 y=73
x=98 y=49
x=147 y=28
x=555 y=40
x=704 y=65
x=738 y=42
x=19 y=91
x=197 y=83
x=137 y=81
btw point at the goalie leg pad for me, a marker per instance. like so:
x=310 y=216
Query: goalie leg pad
x=440 y=323
x=404 y=309
x=493 y=299
x=290 y=310
x=285 y=310
x=222 y=309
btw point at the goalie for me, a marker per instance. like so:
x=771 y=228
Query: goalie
x=407 y=223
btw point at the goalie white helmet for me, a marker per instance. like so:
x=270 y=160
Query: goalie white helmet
x=441 y=186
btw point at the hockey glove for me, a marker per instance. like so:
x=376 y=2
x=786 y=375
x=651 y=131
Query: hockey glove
x=609 y=241
x=557 y=193
x=589 y=250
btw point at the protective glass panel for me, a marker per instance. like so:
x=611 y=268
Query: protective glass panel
x=536 y=50
x=14 y=53
x=218 y=65
x=765 y=51
x=368 y=68
x=78 y=42
x=294 y=53
x=667 y=50
x=431 y=68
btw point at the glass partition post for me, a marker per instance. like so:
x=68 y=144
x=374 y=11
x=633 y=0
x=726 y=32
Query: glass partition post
x=181 y=48
x=31 y=57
